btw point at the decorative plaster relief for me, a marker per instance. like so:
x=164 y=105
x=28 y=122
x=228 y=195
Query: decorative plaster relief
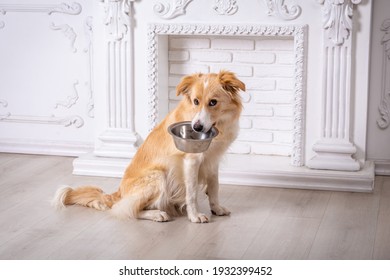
x=70 y=99
x=384 y=106
x=68 y=33
x=63 y=8
x=3 y=102
x=279 y=9
x=338 y=19
x=89 y=50
x=88 y=30
x=172 y=9
x=117 y=18
x=75 y=120
x=225 y=7
x=297 y=31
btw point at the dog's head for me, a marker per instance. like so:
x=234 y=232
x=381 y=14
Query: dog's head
x=213 y=98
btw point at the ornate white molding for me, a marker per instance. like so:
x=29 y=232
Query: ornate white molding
x=74 y=120
x=63 y=8
x=225 y=7
x=3 y=103
x=337 y=19
x=298 y=32
x=70 y=99
x=88 y=29
x=384 y=106
x=120 y=47
x=119 y=139
x=118 y=20
x=335 y=150
x=384 y=111
x=172 y=9
x=279 y=9
x=68 y=33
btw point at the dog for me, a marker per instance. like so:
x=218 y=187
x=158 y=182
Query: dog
x=161 y=181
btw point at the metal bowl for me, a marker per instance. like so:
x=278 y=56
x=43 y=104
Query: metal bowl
x=188 y=140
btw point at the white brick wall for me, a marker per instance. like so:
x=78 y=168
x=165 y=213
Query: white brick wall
x=264 y=65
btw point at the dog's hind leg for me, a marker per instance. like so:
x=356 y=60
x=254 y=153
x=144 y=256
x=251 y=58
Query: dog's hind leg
x=144 y=198
x=136 y=206
x=154 y=215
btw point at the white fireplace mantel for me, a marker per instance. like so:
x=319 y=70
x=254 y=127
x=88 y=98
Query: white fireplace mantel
x=330 y=85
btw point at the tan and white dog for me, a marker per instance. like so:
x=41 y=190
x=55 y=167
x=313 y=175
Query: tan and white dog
x=162 y=181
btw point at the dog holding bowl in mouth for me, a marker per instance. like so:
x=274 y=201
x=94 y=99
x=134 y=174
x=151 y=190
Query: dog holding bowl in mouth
x=179 y=157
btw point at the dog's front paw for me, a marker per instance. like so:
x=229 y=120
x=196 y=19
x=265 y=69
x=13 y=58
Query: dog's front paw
x=199 y=218
x=220 y=211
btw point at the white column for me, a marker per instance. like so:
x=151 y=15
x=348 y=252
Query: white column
x=335 y=150
x=116 y=138
x=120 y=138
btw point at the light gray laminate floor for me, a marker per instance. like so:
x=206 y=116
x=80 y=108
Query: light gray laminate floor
x=266 y=223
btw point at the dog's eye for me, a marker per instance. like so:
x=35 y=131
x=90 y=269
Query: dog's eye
x=213 y=102
x=196 y=102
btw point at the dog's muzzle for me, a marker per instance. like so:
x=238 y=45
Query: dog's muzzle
x=197 y=126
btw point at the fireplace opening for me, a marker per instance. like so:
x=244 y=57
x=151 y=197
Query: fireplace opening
x=269 y=63
x=265 y=65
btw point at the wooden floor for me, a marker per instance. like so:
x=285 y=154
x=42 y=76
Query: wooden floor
x=266 y=223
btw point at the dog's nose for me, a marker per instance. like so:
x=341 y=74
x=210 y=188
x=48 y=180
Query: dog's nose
x=198 y=126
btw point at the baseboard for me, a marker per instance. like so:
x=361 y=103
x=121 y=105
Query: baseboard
x=92 y=165
x=382 y=167
x=57 y=148
x=277 y=172
x=265 y=171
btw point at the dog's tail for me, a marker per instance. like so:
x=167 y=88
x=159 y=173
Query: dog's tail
x=86 y=196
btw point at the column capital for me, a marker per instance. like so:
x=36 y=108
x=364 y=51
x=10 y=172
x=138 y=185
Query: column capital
x=337 y=20
x=118 y=18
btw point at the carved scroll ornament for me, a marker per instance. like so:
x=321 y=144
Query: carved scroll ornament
x=172 y=9
x=225 y=7
x=384 y=106
x=279 y=9
x=338 y=19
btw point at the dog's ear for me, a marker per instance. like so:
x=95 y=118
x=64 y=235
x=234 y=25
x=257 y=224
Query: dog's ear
x=185 y=84
x=229 y=82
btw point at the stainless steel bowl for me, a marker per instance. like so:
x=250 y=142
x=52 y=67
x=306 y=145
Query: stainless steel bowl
x=188 y=140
